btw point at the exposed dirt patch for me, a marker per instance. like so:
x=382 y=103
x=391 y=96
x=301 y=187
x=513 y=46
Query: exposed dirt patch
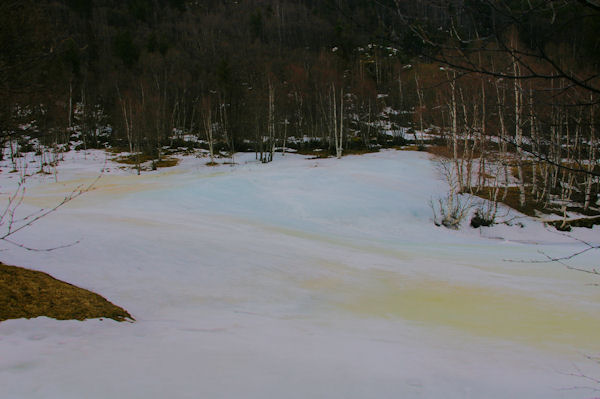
x=318 y=153
x=359 y=151
x=533 y=207
x=165 y=162
x=412 y=147
x=133 y=159
x=27 y=294
x=583 y=222
x=315 y=153
x=512 y=199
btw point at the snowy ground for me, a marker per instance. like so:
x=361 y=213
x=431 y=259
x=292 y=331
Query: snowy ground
x=297 y=279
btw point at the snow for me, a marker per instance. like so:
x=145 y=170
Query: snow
x=299 y=278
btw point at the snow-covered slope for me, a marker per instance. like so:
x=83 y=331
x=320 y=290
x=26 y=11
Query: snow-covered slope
x=296 y=279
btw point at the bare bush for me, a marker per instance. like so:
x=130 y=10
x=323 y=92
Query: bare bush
x=452 y=209
x=487 y=210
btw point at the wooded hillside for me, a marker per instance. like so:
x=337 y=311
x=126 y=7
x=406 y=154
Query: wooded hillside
x=504 y=83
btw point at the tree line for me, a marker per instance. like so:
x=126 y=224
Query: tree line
x=508 y=91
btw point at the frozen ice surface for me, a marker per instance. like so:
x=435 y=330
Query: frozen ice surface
x=301 y=278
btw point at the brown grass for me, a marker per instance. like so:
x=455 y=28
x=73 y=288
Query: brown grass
x=583 y=222
x=117 y=150
x=440 y=151
x=412 y=147
x=317 y=153
x=326 y=152
x=133 y=159
x=359 y=151
x=512 y=200
x=165 y=162
x=532 y=206
x=27 y=294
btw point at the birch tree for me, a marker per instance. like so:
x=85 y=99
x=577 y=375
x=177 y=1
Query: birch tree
x=338 y=119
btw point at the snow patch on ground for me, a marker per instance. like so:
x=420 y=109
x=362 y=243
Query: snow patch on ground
x=299 y=278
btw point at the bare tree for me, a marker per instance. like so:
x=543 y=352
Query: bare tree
x=338 y=119
x=208 y=127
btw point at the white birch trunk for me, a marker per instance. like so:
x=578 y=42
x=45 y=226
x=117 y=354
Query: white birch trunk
x=591 y=159
x=340 y=141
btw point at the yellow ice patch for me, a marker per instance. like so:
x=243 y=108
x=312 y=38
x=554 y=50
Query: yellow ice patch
x=484 y=311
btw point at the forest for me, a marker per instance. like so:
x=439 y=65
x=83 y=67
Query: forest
x=506 y=91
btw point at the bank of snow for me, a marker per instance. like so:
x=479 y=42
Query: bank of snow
x=299 y=278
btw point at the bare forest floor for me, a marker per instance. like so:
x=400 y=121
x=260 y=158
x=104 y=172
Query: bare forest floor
x=562 y=217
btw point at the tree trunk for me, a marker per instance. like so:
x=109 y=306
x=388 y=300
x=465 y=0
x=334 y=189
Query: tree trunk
x=519 y=134
x=591 y=159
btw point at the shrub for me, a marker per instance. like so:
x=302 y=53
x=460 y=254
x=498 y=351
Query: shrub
x=480 y=218
x=451 y=210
